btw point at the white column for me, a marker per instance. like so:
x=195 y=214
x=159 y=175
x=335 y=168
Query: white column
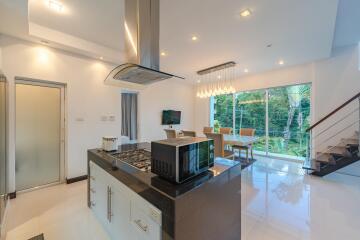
x=267 y=121
x=211 y=115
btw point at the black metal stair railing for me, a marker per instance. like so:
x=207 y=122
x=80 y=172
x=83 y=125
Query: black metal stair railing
x=335 y=150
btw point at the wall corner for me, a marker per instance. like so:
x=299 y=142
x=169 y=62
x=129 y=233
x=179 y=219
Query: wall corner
x=358 y=59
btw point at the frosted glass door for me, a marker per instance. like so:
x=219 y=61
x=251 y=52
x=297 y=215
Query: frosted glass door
x=38 y=135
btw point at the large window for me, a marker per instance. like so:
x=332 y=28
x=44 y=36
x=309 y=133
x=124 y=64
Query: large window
x=289 y=111
x=279 y=115
x=223 y=111
x=250 y=112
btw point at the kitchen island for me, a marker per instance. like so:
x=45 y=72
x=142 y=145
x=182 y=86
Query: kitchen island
x=133 y=204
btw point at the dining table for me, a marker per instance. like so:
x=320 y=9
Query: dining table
x=230 y=139
x=242 y=141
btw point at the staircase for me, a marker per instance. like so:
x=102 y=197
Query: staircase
x=337 y=157
x=341 y=127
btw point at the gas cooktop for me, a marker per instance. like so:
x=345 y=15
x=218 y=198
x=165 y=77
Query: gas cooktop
x=139 y=158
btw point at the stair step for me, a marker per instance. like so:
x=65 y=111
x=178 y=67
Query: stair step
x=346 y=141
x=326 y=168
x=353 y=149
x=325 y=158
x=341 y=150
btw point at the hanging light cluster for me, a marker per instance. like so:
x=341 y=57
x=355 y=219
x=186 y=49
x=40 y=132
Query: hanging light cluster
x=216 y=80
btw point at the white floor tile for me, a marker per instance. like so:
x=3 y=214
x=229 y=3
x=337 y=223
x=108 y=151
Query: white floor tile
x=279 y=202
x=60 y=212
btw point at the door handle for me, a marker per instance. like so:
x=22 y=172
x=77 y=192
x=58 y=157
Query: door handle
x=141 y=226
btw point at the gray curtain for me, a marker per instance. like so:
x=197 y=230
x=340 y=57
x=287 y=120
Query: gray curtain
x=129 y=115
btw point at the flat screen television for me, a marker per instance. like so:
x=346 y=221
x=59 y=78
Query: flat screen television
x=170 y=117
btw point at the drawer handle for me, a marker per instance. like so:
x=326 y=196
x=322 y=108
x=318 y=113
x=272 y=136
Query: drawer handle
x=141 y=226
x=109 y=204
x=92 y=204
x=92 y=190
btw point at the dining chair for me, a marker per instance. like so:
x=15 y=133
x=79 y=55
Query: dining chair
x=189 y=133
x=248 y=132
x=170 y=133
x=219 y=148
x=208 y=130
x=225 y=130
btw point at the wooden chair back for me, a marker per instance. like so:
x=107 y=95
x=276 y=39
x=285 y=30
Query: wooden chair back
x=189 y=133
x=208 y=130
x=250 y=132
x=218 y=143
x=170 y=133
x=225 y=130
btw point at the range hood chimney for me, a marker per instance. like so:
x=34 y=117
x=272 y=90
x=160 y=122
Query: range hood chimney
x=142 y=47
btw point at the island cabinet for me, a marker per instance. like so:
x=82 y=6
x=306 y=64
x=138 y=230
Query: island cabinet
x=124 y=214
x=139 y=205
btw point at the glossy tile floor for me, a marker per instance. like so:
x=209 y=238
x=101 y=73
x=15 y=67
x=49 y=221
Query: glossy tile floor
x=60 y=212
x=279 y=203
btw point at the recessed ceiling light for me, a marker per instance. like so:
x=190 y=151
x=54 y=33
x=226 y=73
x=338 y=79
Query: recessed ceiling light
x=219 y=76
x=246 y=70
x=281 y=62
x=198 y=81
x=101 y=58
x=55 y=5
x=245 y=13
x=194 y=38
x=163 y=54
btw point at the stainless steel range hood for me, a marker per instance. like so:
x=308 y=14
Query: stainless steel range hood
x=142 y=47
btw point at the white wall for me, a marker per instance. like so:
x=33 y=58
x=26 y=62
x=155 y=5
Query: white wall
x=334 y=81
x=90 y=99
x=287 y=76
x=87 y=97
x=0 y=57
x=173 y=94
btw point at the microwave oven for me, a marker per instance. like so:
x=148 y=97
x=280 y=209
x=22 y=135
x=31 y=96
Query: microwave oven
x=180 y=159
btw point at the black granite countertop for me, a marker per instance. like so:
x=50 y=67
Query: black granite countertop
x=161 y=185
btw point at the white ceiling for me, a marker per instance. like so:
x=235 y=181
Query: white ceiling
x=347 y=29
x=299 y=31
x=101 y=22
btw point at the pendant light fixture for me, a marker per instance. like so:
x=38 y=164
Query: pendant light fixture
x=216 y=80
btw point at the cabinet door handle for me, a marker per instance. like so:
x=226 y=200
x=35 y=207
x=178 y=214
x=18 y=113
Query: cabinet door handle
x=92 y=178
x=92 y=190
x=141 y=226
x=109 y=207
x=92 y=204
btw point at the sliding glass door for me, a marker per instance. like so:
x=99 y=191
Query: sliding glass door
x=289 y=112
x=280 y=117
x=250 y=112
